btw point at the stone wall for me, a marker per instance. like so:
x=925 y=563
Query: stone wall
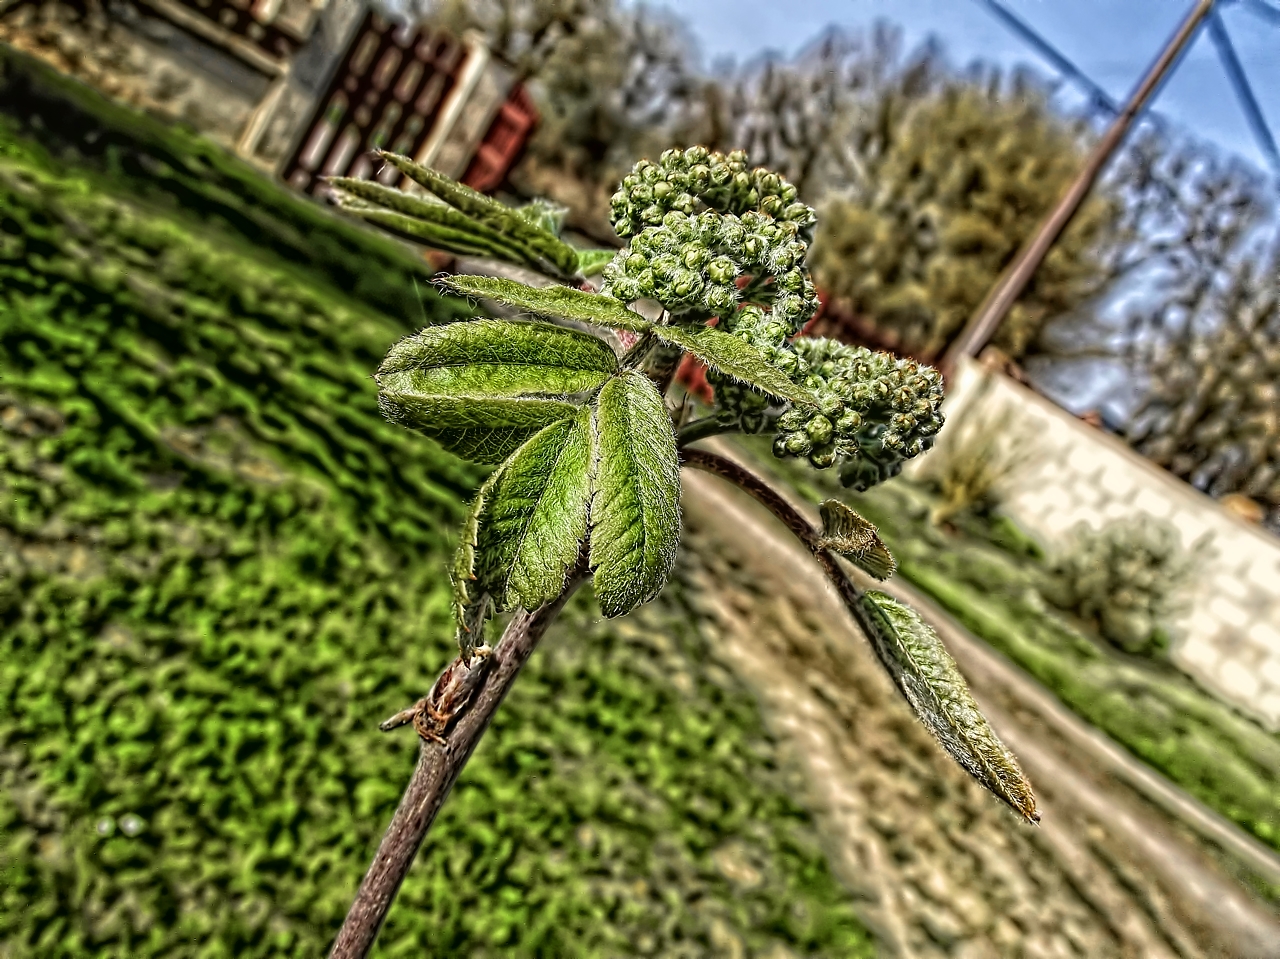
x=1230 y=637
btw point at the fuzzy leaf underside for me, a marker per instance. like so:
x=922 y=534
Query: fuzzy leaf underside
x=441 y=227
x=846 y=532
x=501 y=343
x=482 y=387
x=734 y=357
x=470 y=601
x=592 y=262
x=534 y=519
x=497 y=216
x=491 y=444
x=561 y=301
x=635 y=516
x=928 y=677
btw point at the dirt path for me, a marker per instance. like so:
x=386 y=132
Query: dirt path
x=940 y=868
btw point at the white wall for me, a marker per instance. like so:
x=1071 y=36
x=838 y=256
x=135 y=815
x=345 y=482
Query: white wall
x=1230 y=638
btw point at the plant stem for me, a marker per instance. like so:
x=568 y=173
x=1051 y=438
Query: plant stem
x=437 y=770
x=700 y=429
x=638 y=350
x=776 y=504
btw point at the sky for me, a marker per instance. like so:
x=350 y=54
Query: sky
x=1112 y=41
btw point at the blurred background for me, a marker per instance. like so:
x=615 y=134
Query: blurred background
x=219 y=566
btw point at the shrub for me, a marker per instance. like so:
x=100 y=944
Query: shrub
x=1127 y=579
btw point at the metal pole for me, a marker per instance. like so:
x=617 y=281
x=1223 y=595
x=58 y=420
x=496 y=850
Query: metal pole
x=986 y=320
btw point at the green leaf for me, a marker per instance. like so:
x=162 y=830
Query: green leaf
x=561 y=301
x=436 y=225
x=591 y=262
x=534 y=520
x=482 y=387
x=635 y=517
x=471 y=601
x=736 y=358
x=927 y=676
x=847 y=533
x=544 y=214
x=491 y=213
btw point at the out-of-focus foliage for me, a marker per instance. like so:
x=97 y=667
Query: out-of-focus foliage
x=1211 y=411
x=814 y=118
x=1129 y=579
x=172 y=169
x=612 y=83
x=220 y=566
x=948 y=191
x=974 y=463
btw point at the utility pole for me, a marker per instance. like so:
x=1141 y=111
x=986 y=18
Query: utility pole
x=1002 y=296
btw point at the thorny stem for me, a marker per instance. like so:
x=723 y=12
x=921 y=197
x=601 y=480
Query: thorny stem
x=437 y=770
x=777 y=504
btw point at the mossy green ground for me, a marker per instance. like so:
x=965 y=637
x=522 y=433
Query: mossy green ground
x=988 y=576
x=220 y=568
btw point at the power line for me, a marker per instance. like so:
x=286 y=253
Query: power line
x=1232 y=66
x=1099 y=97
x=1261 y=8
x=1101 y=101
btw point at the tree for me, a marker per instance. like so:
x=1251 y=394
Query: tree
x=587 y=451
x=947 y=189
x=813 y=118
x=611 y=84
x=1212 y=411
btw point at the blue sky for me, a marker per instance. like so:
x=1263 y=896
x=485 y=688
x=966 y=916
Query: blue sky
x=1111 y=40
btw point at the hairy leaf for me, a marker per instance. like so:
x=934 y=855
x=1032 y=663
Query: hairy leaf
x=534 y=520
x=559 y=301
x=635 y=517
x=491 y=213
x=927 y=676
x=847 y=533
x=471 y=601
x=591 y=262
x=482 y=387
x=435 y=224
x=736 y=358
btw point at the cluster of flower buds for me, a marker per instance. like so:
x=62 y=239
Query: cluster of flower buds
x=874 y=410
x=688 y=181
x=696 y=264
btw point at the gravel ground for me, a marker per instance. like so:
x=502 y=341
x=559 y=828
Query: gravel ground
x=939 y=867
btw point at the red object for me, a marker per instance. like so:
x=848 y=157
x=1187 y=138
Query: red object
x=506 y=137
x=692 y=375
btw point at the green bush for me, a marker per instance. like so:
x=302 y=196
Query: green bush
x=1127 y=579
x=220 y=567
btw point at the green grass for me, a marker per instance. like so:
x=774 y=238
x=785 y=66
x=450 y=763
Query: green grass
x=220 y=568
x=988 y=578
x=185 y=175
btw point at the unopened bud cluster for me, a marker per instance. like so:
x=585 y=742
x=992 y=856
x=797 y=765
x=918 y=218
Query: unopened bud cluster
x=687 y=181
x=712 y=238
x=874 y=410
x=701 y=225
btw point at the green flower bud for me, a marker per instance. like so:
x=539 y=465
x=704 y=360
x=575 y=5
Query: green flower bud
x=823 y=460
x=848 y=422
x=819 y=430
x=722 y=270
x=798 y=444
